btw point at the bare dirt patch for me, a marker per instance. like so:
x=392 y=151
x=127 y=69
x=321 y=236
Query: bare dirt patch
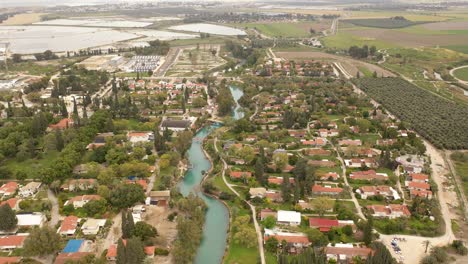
x=167 y=230
x=351 y=65
x=23 y=19
x=449 y=25
x=410 y=40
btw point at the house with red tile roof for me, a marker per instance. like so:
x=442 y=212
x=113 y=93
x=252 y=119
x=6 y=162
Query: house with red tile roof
x=421 y=193
x=389 y=211
x=326 y=190
x=368 y=175
x=264 y=213
x=358 y=163
x=321 y=163
x=419 y=177
x=10 y=260
x=12 y=202
x=317 y=151
x=68 y=226
x=418 y=186
x=350 y=142
x=296 y=240
x=386 y=142
x=64 y=258
x=12 y=242
x=240 y=174
x=345 y=253
x=328 y=132
x=80 y=201
x=322 y=224
x=142 y=182
x=279 y=180
x=329 y=176
x=9 y=189
x=62 y=124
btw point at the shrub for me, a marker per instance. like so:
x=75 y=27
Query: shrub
x=161 y=252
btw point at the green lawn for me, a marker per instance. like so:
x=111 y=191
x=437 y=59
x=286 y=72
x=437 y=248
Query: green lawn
x=31 y=166
x=461 y=168
x=238 y=254
x=281 y=29
x=462 y=74
x=39 y=68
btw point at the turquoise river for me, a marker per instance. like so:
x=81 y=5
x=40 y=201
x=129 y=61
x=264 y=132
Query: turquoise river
x=213 y=244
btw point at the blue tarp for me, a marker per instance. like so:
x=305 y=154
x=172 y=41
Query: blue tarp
x=73 y=245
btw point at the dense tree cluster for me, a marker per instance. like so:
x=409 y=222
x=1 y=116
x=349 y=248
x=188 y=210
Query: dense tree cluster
x=250 y=55
x=8 y=217
x=361 y=52
x=189 y=228
x=42 y=241
x=156 y=47
x=440 y=121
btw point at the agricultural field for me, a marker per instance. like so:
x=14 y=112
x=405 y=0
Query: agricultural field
x=462 y=74
x=382 y=22
x=442 y=122
x=458 y=48
x=287 y=29
x=193 y=61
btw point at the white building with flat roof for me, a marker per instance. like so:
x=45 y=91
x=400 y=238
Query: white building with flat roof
x=292 y=218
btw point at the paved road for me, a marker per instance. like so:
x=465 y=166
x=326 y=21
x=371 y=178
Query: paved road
x=112 y=236
x=54 y=211
x=258 y=230
x=457 y=68
x=171 y=57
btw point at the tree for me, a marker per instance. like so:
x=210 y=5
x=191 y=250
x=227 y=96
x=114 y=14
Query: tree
x=280 y=160
x=42 y=241
x=183 y=141
x=95 y=207
x=130 y=224
x=121 y=253
x=286 y=189
x=134 y=250
x=317 y=238
x=269 y=222
x=322 y=205
x=368 y=236
x=8 y=217
x=259 y=170
x=271 y=245
x=144 y=231
x=246 y=236
x=16 y=57
x=127 y=195
x=381 y=255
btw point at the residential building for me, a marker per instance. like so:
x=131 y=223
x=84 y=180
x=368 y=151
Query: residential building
x=80 y=201
x=29 y=189
x=257 y=192
x=92 y=226
x=79 y=185
x=326 y=190
x=13 y=203
x=8 y=189
x=292 y=218
x=279 y=180
x=31 y=220
x=62 y=124
x=175 y=125
x=329 y=176
x=345 y=253
x=68 y=226
x=12 y=242
x=140 y=137
x=389 y=211
x=64 y=258
x=358 y=163
x=295 y=240
x=321 y=163
x=160 y=198
x=350 y=142
x=385 y=191
x=264 y=213
x=240 y=175
x=368 y=175
x=325 y=225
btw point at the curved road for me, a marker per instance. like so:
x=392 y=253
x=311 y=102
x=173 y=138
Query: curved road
x=252 y=208
x=459 y=80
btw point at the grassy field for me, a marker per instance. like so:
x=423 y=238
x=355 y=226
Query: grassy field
x=461 y=74
x=458 y=48
x=346 y=39
x=31 y=166
x=282 y=29
x=38 y=68
x=239 y=254
x=382 y=22
x=460 y=161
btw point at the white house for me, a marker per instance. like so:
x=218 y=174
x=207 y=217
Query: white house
x=137 y=137
x=92 y=226
x=292 y=218
x=29 y=189
x=29 y=220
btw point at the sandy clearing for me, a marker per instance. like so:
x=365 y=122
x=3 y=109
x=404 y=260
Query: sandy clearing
x=23 y=19
x=167 y=230
x=410 y=40
x=349 y=64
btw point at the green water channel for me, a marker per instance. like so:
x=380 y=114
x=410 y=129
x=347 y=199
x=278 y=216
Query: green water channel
x=215 y=231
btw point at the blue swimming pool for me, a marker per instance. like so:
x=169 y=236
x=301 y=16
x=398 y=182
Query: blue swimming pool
x=73 y=246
